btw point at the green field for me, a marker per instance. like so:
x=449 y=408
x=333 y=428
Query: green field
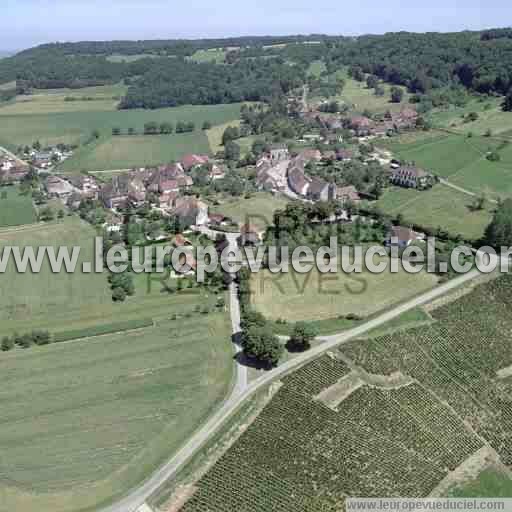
x=440 y=206
x=314 y=296
x=460 y=159
x=131 y=58
x=76 y=127
x=126 y=152
x=490 y=117
x=83 y=422
x=51 y=101
x=491 y=483
x=215 y=55
x=258 y=210
x=388 y=416
x=15 y=209
x=362 y=98
x=316 y=68
x=77 y=301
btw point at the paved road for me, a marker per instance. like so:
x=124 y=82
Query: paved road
x=463 y=190
x=137 y=497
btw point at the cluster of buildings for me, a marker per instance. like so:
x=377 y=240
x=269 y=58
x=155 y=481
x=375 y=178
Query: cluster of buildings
x=282 y=172
x=362 y=126
x=46 y=159
x=11 y=170
x=165 y=185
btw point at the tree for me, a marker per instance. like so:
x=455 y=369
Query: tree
x=36 y=145
x=372 y=81
x=507 y=103
x=118 y=295
x=302 y=335
x=207 y=125
x=46 y=214
x=471 y=117
x=261 y=344
x=499 y=231
x=493 y=156
x=379 y=90
x=166 y=128
x=151 y=128
x=95 y=134
x=479 y=202
x=230 y=133
x=60 y=214
x=116 y=131
x=232 y=151
x=397 y=94
x=131 y=131
x=7 y=344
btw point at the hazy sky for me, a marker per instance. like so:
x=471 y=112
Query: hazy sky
x=29 y=22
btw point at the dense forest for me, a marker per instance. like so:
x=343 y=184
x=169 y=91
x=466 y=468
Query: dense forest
x=478 y=61
x=181 y=82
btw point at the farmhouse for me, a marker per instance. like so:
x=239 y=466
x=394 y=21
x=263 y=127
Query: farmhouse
x=410 y=177
x=59 y=188
x=191 y=211
x=348 y=194
x=403 y=237
x=279 y=153
x=310 y=155
x=122 y=189
x=361 y=126
x=249 y=235
x=87 y=186
x=189 y=162
x=298 y=181
x=320 y=190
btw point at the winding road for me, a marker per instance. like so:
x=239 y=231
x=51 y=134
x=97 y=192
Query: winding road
x=243 y=390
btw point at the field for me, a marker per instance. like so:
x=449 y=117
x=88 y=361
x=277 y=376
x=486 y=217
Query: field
x=315 y=296
x=77 y=301
x=131 y=58
x=126 y=152
x=216 y=132
x=76 y=127
x=388 y=416
x=440 y=206
x=215 y=55
x=51 y=101
x=258 y=210
x=83 y=422
x=316 y=68
x=461 y=160
x=490 y=117
x=15 y=209
x=491 y=483
x=358 y=94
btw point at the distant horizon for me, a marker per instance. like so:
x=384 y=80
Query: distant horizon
x=28 y=23
x=12 y=51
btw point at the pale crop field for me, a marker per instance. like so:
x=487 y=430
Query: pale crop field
x=83 y=422
x=315 y=296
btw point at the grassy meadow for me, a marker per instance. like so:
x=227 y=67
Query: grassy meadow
x=315 y=296
x=51 y=101
x=15 y=209
x=83 y=422
x=439 y=206
x=491 y=483
x=215 y=55
x=258 y=210
x=357 y=94
x=75 y=127
x=67 y=302
x=460 y=159
x=215 y=133
x=125 y=152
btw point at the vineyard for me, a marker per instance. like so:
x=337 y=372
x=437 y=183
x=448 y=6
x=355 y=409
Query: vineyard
x=458 y=358
x=301 y=455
